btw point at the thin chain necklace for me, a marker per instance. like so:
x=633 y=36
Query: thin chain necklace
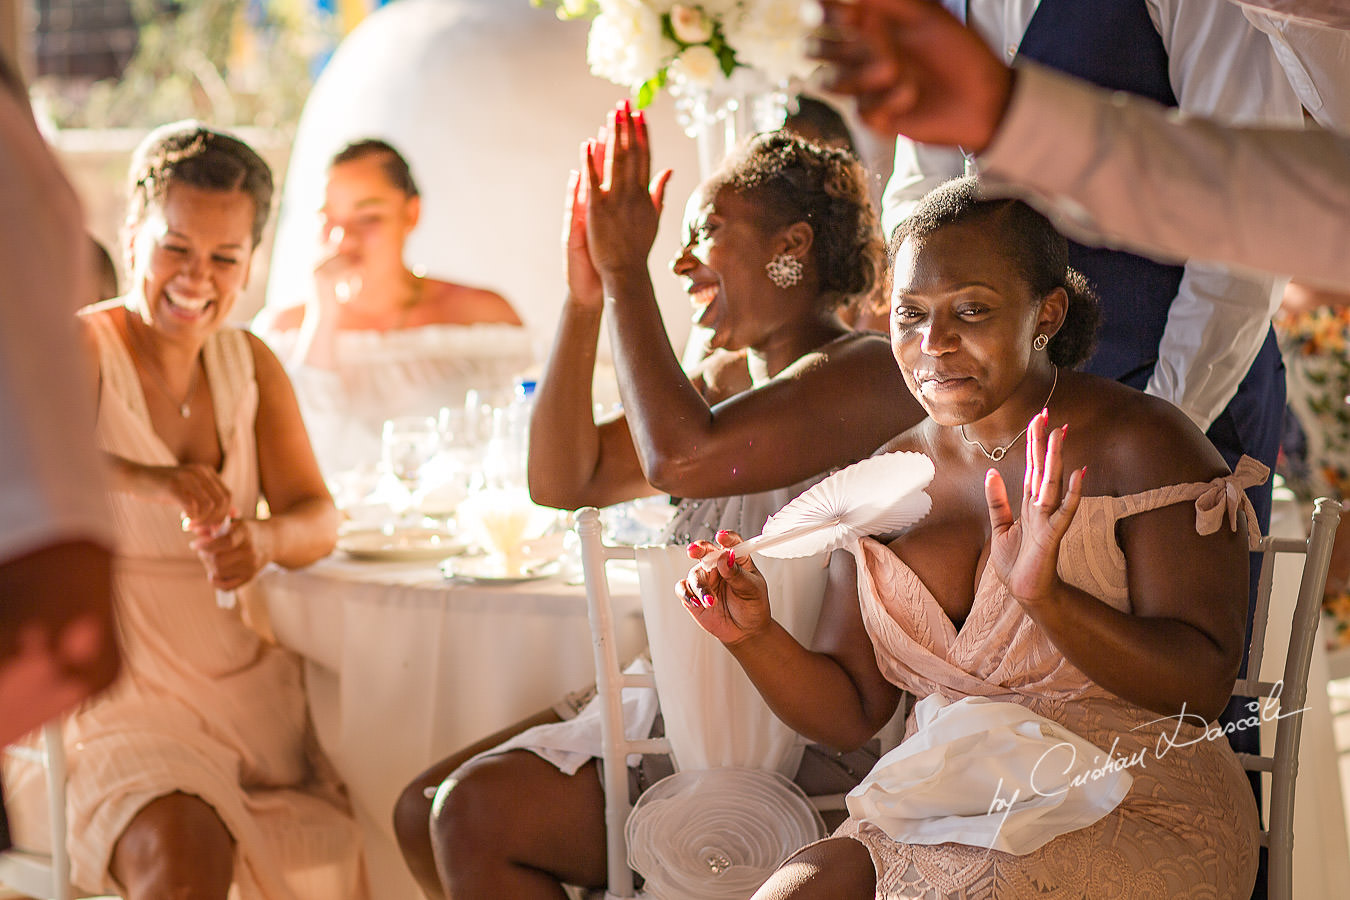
x=152 y=366
x=999 y=452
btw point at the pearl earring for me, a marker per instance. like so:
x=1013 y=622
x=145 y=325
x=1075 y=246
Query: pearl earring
x=784 y=270
x=1041 y=342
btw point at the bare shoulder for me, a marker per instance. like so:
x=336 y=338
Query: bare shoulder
x=105 y=311
x=1133 y=442
x=852 y=352
x=286 y=318
x=722 y=374
x=458 y=304
x=266 y=367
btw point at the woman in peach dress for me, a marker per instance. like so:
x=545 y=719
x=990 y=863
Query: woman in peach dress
x=194 y=775
x=1111 y=602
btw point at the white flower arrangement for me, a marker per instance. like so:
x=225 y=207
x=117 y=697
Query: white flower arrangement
x=646 y=44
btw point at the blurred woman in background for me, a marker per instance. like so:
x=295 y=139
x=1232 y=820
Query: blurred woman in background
x=378 y=339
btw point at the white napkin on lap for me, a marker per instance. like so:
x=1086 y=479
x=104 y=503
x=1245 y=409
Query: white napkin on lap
x=988 y=774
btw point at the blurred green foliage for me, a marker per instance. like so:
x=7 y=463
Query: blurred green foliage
x=228 y=62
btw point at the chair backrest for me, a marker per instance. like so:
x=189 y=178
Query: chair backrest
x=44 y=875
x=610 y=681
x=1290 y=693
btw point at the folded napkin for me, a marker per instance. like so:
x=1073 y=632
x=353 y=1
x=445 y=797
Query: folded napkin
x=989 y=774
x=717 y=834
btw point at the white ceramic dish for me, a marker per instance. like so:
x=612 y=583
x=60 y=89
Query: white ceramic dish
x=402 y=545
x=490 y=570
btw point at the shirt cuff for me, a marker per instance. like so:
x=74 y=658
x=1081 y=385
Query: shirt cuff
x=1045 y=125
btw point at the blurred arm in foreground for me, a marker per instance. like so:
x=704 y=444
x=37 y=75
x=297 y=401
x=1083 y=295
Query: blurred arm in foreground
x=1107 y=168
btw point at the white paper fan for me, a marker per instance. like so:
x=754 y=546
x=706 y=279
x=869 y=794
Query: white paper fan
x=880 y=494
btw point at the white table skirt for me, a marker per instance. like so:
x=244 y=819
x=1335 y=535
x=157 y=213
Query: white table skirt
x=404 y=668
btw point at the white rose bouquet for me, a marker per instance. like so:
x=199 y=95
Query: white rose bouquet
x=644 y=44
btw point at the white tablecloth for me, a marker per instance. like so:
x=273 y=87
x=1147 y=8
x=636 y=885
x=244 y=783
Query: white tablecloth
x=404 y=668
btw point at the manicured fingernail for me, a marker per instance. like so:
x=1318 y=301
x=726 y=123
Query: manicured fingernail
x=731 y=557
x=723 y=533
x=1065 y=430
x=708 y=601
x=692 y=547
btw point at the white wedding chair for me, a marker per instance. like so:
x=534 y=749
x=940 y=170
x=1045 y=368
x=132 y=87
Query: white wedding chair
x=610 y=681
x=761 y=742
x=1290 y=693
x=44 y=875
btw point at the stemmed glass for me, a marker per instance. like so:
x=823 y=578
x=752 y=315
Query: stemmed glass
x=409 y=443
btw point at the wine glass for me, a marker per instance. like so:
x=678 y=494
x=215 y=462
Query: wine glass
x=409 y=443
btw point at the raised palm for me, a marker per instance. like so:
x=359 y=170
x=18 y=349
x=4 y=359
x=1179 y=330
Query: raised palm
x=623 y=202
x=1024 y=553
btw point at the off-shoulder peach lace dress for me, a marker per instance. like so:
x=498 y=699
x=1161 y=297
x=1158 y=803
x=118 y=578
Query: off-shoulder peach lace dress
x=1187 y=828
x=203 y=704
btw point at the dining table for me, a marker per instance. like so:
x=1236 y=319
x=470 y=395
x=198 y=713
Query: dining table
x=404 y=665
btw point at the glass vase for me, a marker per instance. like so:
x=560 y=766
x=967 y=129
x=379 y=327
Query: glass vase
x=720 y=115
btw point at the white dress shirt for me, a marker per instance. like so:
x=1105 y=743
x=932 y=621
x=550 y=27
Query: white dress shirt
x=1317 y=61
x=1128 y=173
x=1219 y=66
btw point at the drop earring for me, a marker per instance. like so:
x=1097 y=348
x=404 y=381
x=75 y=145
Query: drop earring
x=784 y=270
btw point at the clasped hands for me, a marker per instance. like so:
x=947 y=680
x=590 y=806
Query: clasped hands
x=226 y=544
x=613 y=204
x=730 y=600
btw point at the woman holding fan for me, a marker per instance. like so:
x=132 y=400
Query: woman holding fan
x=1106 y=597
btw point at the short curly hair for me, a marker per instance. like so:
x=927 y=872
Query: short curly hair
x=190 y=153
x=1030 y=242
x=799 y=181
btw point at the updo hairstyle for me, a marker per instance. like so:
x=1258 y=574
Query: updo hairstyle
x=1030 y=243
x=795 y=180
x=190 y=153
x=392 y=163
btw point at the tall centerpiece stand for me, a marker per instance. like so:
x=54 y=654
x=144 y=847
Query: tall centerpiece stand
x=720 y=115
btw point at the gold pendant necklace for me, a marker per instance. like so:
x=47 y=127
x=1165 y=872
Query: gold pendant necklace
x=999 y=452
x=160 y=382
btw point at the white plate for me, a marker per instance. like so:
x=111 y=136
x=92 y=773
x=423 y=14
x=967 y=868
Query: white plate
x=402 y=545
x=490 y=570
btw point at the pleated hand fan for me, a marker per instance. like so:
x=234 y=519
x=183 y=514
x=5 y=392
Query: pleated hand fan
x=877 y=495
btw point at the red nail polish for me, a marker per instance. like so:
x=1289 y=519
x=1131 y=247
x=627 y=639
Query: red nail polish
x=723 y=533
x=708 y=600
x=731 y=557
x=692 y=547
